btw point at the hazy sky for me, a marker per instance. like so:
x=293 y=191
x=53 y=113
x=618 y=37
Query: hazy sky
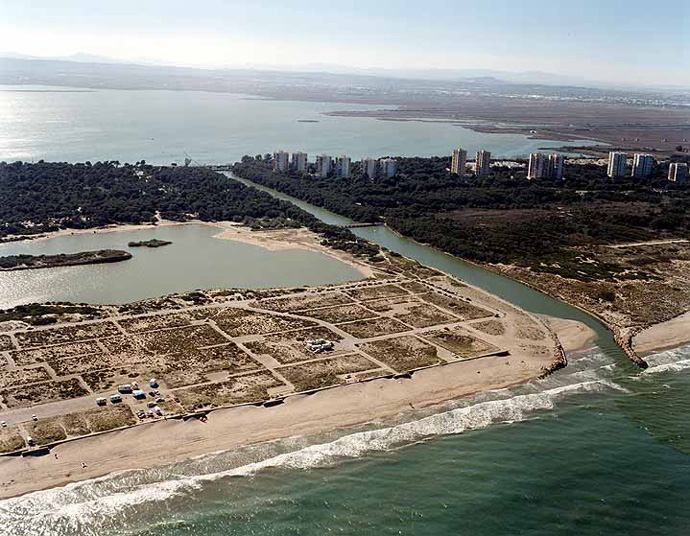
x=612 y=40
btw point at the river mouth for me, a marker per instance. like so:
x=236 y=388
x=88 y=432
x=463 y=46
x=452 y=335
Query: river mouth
x=196 y=259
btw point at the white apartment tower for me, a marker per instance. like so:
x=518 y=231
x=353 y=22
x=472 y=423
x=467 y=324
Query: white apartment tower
x=617 y=165
x=299 y=162
x=281 y=161
x=678 y=172
x=388 y=167
x=482 y=164
x=342 y=166
x=323 y=165
x=369 y=167
x=642 y=165
x=459 y=161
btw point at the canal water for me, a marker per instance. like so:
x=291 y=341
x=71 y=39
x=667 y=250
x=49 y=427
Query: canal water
x=598 y=448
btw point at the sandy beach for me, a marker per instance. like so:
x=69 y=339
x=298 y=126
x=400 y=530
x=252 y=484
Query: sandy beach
x=574 y=336
x=664 y=336
x=141 y=446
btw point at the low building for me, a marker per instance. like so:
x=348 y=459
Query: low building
x=678 y=172
x=319 y=345
x=324 y=165
x=281 y=161
x=458 y=161
x=643 y=164
x=617 y=165
x=389 y=167
x=342 y=166
x=299 y=162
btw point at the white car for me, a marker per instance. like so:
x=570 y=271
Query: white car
x=34 y=418
x=3 y=424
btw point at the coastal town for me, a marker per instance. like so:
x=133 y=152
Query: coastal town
x=538 y=165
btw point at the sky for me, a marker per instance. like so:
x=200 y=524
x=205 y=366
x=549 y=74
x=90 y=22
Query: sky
x=624 y=41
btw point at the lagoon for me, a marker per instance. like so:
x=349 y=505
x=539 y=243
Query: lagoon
x=76 y=125
x=194 y=260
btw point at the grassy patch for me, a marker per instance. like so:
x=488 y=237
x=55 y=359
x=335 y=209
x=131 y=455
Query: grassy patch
x=403 y=353
x=11 y=439
x=318 y=374
x=365 y=329
x=460 y=342
x=42 y=393
x=240 y=390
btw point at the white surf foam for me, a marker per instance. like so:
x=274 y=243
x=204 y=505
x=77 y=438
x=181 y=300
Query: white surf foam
x=78 y=504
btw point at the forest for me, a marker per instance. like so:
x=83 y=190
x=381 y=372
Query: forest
x=504 y=218
x=47 y=196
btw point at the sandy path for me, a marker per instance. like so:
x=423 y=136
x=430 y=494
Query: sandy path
x=142 y=447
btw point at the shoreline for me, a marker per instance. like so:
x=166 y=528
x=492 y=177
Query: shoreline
x=327 y=410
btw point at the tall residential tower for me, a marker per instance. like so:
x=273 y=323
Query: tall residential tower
x=459 y=161
x=482 y=164
x=617 y=165
x=642 y=165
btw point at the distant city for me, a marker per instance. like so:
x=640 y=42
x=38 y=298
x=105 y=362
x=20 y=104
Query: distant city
x=539 y=165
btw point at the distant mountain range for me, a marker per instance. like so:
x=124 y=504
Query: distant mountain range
x=480 y=75
x=88 y=70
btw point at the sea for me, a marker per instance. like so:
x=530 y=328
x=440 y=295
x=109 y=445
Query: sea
x=598 y=448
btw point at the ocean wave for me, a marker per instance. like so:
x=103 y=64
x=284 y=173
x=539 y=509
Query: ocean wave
x=82 y=507
x=675 y=366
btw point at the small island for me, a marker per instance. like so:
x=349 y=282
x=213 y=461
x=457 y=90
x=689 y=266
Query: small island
x=30 y=262
x=153 y=243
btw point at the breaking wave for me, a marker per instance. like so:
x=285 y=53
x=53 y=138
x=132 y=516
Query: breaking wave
x=85 y=507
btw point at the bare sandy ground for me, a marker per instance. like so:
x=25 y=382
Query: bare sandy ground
x=341 y=407
x=286 y=239
x=573 y=335
x=664 y=336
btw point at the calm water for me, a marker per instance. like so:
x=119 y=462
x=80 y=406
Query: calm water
x=599 y=448
x=164 y=126
x=195 y=259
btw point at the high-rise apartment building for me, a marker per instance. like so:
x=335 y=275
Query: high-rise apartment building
x=299 y=162
x=324 y=164
x=556 y=165
x=388 y=167
x=678 y=172
x=642 y=165
x=281 y=161
x=543 y=166
x=459 y=161
x=482 y=164
x=342 y=166
x=538 y=164
x=617 y=165
x=369 y=167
